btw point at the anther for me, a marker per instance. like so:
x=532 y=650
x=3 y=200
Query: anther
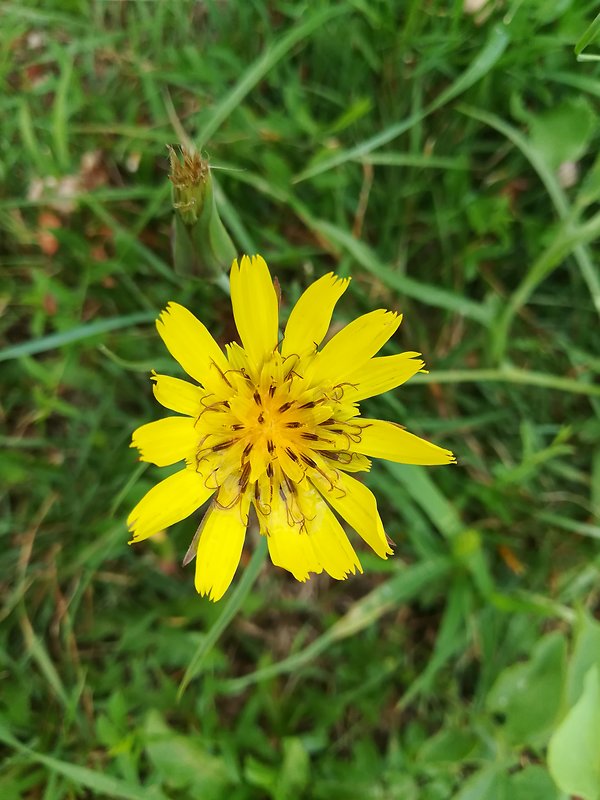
x=312 y=437
x=270 y=447
x=222 y=445
x=257 y=398
x=269 y=470
x=247 y=450
x=261 y=418
x=237 y=427
x=221 y=373
x=291 y=454
x=293 y=424
x=245 y=476
x=285 y=407
x=272 y=389
x=308 y=460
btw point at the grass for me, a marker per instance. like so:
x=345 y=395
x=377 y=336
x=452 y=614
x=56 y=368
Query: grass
x=418 y=149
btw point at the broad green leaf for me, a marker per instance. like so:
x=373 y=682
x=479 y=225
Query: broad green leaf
x=574 y=749
x=489 y=783
x=532 y=783
x=295 y=770
x=564 y=132
x=586 y=654
x=450 y=745
x=529 y=695
x=183 y=761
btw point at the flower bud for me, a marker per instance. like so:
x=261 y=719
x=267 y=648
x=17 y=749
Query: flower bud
x=201 y=245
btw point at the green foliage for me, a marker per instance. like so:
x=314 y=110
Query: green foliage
x=420 y=149
x=574 y=751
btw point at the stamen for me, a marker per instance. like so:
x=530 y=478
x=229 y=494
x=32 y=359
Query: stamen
x=285 y=407
x=270 y=447
x=210 y=475
x=221 y=373
x=199 y=460
x=226 y=507
x=247 y=450
x=293 y=424
x=269 y=470
x=223 y=445
x=264 y=508
x=312 y=437
x=308 y=460
x=272 y=389
x=342 y=458
x=292 y=374
x=245 y=476
x=237 y=427
x=290 y=485
x=291 y=454
x=257 y=398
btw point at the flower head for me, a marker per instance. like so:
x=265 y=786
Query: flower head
x=276 y=427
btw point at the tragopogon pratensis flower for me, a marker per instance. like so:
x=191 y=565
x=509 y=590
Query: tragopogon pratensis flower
x=277 y=427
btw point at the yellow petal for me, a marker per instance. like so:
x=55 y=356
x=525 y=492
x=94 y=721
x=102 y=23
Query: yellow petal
x=255 y=308
x=386 y=440
x=220 y=548
x=310 y=318
x=327 y=536
x=353 y=346
x=358 y=506
x=178 y=395
x=193 y=347
x=169 y=501
x=379 y=375
x=289 y=547
x=166 y=441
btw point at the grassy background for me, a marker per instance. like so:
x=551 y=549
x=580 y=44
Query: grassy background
x=445 y=160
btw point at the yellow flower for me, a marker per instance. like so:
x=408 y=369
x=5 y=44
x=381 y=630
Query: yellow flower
x=277 y=428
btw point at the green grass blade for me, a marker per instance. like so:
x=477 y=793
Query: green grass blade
x=421 y=487
x=588 y=35
x=55 y=340
x=507 y=374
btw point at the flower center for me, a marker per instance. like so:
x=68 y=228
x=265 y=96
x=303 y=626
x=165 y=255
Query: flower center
x=274 y=429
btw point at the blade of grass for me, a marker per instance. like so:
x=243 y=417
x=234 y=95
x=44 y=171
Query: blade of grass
x=56 y=340
x=60 y=115
x=422 y=489
x=506 y=374
x=588 y=35
x=39 y=654
x=415 y=160
x=582 y=528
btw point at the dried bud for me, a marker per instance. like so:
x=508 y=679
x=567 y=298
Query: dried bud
x=201 y=245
